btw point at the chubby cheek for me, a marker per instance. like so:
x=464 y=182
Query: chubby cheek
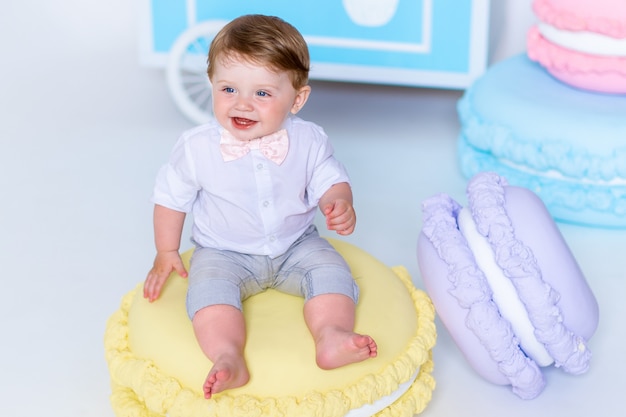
x=274 y=112
x=220 y=109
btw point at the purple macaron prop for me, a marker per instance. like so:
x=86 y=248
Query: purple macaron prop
x=506 y=285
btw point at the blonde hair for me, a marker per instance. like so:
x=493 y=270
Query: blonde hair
x=265 y=40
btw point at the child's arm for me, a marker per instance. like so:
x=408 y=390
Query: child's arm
x=168 y=226
x=336 y=204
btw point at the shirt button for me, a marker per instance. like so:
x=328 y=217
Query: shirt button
x=259 y=166
x=272 y=238
x=266 y=203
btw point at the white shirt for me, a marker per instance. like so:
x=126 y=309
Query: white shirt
x=249 y=205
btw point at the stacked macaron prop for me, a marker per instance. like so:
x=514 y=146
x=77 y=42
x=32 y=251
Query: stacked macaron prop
x=545 y=119
x=581 y=42
x=506 y=285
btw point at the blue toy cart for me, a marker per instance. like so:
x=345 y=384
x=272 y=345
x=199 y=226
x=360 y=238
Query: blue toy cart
x=430 y=43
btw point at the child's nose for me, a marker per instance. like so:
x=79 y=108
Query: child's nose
x=243 y=103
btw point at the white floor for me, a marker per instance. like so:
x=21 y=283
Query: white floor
x=83 y=129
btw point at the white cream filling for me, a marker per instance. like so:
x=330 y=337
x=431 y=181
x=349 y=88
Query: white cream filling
x=504 y=293
x=586 y=42
x=555 y=175
x=367 y=410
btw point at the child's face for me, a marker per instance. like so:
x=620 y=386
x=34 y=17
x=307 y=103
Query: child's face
x=251 y=100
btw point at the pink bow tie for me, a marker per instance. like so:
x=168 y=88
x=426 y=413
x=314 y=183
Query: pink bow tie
x=274 y=147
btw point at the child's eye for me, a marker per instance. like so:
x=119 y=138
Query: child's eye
x=262 y=93
x=229 y=90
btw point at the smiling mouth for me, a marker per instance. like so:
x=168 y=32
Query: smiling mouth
x=242 y=122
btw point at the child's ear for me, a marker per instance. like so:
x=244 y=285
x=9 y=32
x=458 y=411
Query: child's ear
x=301 y=97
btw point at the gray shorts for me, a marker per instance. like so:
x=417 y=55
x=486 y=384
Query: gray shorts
x=310 y=267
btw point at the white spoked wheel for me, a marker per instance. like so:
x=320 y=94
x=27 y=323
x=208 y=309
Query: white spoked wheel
x=187 y=78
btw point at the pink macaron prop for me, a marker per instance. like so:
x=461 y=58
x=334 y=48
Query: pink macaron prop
x=581 y=42
x=506 y=285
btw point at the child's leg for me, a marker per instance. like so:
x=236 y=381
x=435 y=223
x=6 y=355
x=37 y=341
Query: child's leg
x=330 y=318
x=221 y=333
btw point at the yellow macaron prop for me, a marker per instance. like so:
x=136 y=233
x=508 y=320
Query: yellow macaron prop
x=157 y=368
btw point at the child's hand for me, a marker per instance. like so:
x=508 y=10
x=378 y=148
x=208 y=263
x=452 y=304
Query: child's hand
x=340 y=216
x=164 y=264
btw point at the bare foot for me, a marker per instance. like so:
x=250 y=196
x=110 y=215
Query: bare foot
x=338 y=348
x=225 y=375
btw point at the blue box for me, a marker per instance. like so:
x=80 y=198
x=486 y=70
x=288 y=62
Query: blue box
x=432 y=43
